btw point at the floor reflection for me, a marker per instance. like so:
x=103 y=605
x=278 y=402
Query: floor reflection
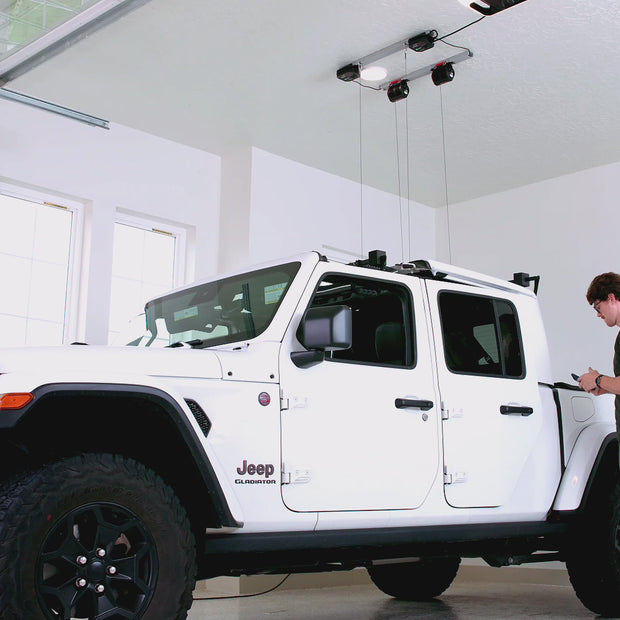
x=464 y=600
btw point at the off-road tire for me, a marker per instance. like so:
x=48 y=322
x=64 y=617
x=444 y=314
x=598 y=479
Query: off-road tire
x=94 y=536
x=593 y=560
x=415 y=581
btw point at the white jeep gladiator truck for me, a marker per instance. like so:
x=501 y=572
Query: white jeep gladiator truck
x=302 y=416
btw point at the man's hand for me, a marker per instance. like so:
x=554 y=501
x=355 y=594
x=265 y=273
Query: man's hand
x=587 y=382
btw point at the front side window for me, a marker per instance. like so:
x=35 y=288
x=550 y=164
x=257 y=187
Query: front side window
x=481 y=335
x=220 y=312
x=382 y=319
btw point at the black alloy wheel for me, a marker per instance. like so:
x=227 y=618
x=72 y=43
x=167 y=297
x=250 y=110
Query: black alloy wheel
x=95 y=536
x=98 y=560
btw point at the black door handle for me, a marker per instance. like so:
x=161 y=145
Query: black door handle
x=516 y=410
x=408 y=403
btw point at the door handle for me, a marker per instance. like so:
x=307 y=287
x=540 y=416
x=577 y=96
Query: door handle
x=408 y=403
x=516 y=410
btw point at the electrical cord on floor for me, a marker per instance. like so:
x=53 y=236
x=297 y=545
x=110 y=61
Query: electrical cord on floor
x=221 y=598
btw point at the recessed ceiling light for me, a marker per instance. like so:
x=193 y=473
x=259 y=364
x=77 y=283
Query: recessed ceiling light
x=374 y=73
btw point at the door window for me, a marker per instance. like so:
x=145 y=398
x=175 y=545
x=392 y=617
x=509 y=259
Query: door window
x=382 y=319
x=481 y=335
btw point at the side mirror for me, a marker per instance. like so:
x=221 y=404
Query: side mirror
x=323 y=329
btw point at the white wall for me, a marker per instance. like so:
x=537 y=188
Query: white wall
x=280 y=207
x=107 y=170
x=234 y=233
x=296 y=208
x=565 y=229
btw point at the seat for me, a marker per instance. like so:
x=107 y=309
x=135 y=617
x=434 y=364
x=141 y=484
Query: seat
x=390 y=345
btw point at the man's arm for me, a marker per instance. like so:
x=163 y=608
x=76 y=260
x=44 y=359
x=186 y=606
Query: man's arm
x=608 y=385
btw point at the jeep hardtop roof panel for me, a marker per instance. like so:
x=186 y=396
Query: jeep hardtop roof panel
x=444 y=271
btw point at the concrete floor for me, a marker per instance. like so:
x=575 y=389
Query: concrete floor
x=464 y=599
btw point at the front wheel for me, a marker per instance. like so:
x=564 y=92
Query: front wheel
x=593 y=562
x=95 y=536
x=415 y=581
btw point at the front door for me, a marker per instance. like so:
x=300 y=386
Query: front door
x=360 y=430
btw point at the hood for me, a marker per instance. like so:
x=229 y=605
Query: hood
x=103 y=360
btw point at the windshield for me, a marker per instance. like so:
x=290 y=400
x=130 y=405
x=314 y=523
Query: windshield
x=219 y=312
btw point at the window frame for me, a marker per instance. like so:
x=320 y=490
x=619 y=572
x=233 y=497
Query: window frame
x=408 y=313
x=496 y=316
x=155 y=225
x=74 y=262
x=151 y=224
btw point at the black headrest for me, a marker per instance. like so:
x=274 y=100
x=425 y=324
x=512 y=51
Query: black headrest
x=390 y=343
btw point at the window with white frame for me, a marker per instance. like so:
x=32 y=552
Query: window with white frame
x=39 y=246
x=148 y=260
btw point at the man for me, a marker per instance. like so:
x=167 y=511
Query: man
x=604 y=296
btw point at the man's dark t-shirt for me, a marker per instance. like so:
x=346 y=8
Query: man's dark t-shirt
x=617 y=373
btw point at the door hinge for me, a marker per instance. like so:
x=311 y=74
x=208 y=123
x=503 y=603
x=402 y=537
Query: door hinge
x=295 y=475
x=293 y=402
x=453 y=413
x=457 y=477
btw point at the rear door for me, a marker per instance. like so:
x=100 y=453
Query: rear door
x=360 y=429
x=491 y=408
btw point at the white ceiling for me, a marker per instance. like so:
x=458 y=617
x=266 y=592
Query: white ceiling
x=540 y=98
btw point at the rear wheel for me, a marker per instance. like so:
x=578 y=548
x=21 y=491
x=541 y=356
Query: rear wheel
x=415 y=581
x=593 y=562
x=95 y=536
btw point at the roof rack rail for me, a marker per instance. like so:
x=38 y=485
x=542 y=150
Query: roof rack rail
x=434 y=270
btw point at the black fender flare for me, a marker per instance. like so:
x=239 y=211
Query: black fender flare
x=172 y=408
x=606 y=458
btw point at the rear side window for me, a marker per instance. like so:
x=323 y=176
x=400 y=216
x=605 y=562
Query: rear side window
x=481 y=335
x=382 y=316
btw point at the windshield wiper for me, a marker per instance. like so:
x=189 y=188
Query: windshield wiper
x=192 y=343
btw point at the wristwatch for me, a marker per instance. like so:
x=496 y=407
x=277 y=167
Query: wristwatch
x=598 y=381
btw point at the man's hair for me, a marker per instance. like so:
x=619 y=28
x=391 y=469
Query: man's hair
x=602 y=286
